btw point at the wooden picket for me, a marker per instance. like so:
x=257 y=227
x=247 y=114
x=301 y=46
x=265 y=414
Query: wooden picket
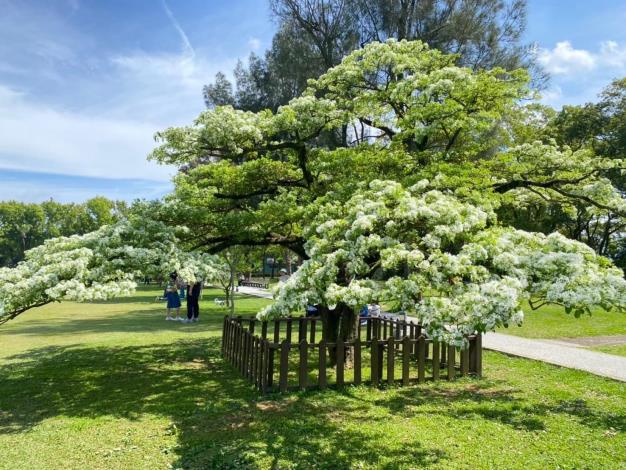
x=390 y=344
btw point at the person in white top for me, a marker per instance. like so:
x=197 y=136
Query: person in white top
x=284 y=277
x=373 y=310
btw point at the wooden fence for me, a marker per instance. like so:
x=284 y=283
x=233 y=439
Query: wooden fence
x=290 y=353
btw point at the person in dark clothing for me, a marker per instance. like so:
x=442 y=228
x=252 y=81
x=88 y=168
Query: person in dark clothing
x=193 y=297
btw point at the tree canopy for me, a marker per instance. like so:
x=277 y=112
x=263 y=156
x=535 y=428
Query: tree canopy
x=444 y=261
x=406 y=113
x=27 y=225
x=410 y=114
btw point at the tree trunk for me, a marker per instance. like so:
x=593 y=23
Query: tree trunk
x=342 y=322
x=231 y=287
x=226 y=296
x=287 y=256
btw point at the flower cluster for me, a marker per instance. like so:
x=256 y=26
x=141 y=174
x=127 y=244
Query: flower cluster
x=97 y=266
x=443 y=261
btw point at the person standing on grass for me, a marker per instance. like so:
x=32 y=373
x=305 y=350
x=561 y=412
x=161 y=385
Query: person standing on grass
x=173 y=299
x=193 y=297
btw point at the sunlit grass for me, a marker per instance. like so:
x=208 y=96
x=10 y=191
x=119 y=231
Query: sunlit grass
x=114 y=386
x=551 y=321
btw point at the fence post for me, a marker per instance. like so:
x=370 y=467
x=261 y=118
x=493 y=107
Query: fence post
x=479 y=355
x=301 y=329
x=436 y=364
x=231 y=340
x=464 y=362
x=277 y=331
x=421 y=359
x=381 y=351
x=340 y=361
x=322 y=364
x=238 y=332
x=226 y=338
x=289 y=328
x=391 y=349
x=250 y=358
x=368 y=321
x=270 y=367
x=224 y=334
x=284 y=365
x=242 y=366
x=444 y=350
x=265 y=368
x=312 y=339
x=357 y=361
x=303 y=368
x=406 y=358
x=374 y=360
x=451 y=353
x=264 y=329
x=255 y=360
x=259 y=362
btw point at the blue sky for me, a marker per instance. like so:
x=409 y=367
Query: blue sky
x=84 y=84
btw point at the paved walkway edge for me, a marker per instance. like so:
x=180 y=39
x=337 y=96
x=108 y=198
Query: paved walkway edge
x=598 y=363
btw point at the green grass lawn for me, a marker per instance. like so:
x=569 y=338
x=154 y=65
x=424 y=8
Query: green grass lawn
x=619 y=349
x=551 y=321
x=113 y=386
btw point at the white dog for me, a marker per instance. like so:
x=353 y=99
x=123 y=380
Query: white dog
x=219 y=301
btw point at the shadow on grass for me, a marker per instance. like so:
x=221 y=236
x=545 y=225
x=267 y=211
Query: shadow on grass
x=221 y=422
x=493 y=401
x=138 y=321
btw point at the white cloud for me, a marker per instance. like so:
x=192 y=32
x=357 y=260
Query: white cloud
x=78 y=101
x=36 y=137
x=254 y=44
x=564 y=59
x=579 y=75
x=163 y=88
x=613 y=54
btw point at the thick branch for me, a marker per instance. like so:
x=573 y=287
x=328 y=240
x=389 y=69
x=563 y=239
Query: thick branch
x=387 y=130
x=11 y=315
x=217 y=244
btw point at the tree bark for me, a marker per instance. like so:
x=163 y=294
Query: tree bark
x=340 y=323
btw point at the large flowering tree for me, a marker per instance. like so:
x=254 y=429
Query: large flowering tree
x=98 y=265
x=402 y=112
x=443 y=260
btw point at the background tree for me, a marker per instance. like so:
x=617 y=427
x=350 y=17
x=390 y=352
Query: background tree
x=484 y=33
x=315 y=35
x=26 y=225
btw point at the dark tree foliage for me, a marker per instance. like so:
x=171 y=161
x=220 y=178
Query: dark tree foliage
x=314 y=35
x=26 y=225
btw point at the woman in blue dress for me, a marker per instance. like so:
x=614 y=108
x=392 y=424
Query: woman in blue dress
x=173 y=299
